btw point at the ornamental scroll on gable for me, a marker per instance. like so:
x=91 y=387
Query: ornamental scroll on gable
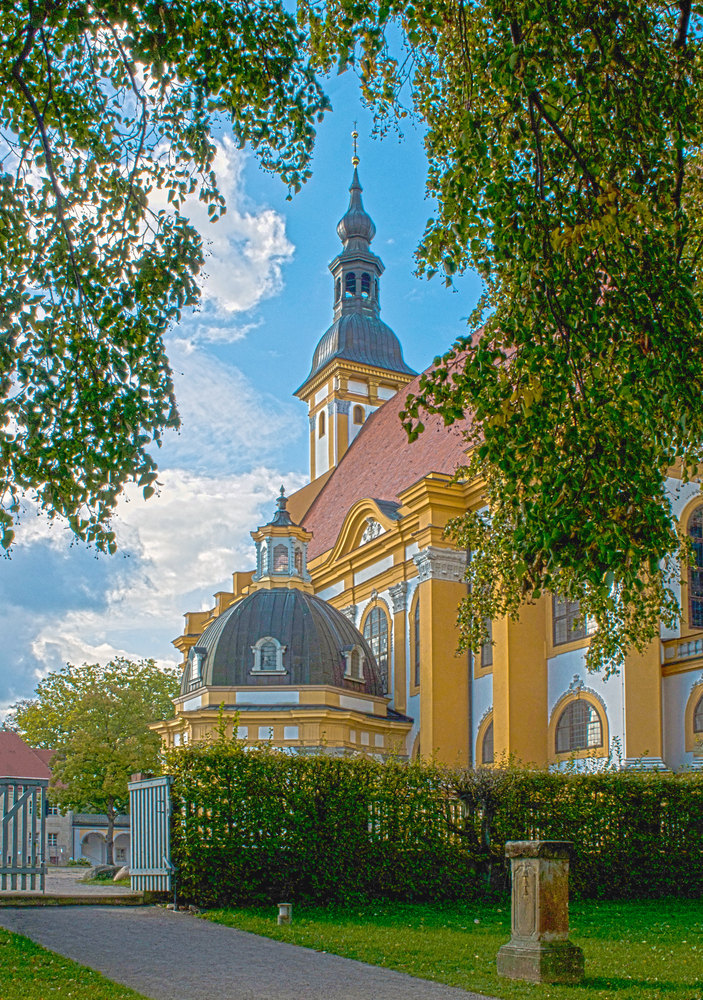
x=372 y=530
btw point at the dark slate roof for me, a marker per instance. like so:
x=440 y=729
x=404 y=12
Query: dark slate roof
x=313 y=632
x=356 y=221
x=360 y=337
x=379 y=464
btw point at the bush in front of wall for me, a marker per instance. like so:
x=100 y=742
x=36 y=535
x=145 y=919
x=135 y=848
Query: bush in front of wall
x=254 y=825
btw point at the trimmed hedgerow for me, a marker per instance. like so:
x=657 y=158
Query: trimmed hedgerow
x=256 y=825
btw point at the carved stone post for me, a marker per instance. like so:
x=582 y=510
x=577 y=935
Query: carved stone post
x=539 y=949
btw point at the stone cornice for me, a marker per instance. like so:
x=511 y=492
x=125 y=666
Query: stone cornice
x=434 y=563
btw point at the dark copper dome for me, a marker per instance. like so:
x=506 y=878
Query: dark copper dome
x=315 y=637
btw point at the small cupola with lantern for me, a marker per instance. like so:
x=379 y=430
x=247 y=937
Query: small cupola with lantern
x=281 y=552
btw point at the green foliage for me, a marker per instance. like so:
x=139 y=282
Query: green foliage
x=564 y=149
x=96 y=719
x=259 y=824
x=255 y=825
x=102 y=107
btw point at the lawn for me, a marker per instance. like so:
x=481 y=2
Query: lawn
x=30 y=972
x=634 y=951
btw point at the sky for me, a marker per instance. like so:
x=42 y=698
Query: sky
x=266 y=301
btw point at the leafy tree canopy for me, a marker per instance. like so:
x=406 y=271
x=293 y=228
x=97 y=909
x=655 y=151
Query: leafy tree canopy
x=564 y=149
x=102 y=104
x=95 y=718
x=563 y=143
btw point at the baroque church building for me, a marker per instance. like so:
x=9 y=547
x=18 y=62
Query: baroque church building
x=344 y=636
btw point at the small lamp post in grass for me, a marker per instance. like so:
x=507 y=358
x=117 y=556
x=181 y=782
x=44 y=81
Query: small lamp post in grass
x=285 y=913
x=539 y=949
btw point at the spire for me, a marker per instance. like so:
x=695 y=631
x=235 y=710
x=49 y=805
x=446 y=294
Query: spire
x=281 y=516
x=356 y=223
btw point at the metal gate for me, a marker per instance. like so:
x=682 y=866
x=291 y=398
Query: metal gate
x=150 y=827
x=22 y=833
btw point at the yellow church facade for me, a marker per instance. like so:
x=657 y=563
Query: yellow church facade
x=344 y=636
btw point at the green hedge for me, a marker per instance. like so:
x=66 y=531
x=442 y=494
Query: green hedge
x=259 y=825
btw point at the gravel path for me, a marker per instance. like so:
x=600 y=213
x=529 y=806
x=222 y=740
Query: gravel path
x=67 y=882
x=167 y=956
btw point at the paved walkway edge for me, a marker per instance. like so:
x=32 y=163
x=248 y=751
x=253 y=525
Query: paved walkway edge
x=22 y=899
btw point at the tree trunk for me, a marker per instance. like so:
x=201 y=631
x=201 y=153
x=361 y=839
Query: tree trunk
x=110 y=836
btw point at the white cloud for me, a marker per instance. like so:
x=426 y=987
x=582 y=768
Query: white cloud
x=183 y=546
x=245 y=250
x=225 y=422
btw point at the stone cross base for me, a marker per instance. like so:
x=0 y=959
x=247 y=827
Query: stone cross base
x=542 y=962
x=539 y=949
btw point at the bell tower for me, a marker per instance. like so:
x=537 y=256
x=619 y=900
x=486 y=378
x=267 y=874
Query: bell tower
x=358 y=363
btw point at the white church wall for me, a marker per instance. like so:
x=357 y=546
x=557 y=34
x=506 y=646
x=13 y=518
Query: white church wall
x=481 y=704
x=676 y=690
x=563 y=669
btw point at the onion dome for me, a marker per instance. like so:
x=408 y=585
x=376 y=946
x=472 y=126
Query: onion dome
x=282 y=637
x=356 y=222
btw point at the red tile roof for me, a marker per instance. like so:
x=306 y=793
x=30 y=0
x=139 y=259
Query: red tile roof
x=380 y=464
x=19 y=760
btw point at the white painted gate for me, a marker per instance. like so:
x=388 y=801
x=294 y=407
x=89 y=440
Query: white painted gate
x=150 y=827
x=23 y=833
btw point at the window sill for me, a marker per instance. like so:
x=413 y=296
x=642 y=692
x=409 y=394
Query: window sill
x=268 y=673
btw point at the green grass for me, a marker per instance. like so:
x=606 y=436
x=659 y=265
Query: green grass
x=99 y=880
x=634 y=951
x=30 y=972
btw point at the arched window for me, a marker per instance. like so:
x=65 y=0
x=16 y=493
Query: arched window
x=280 y=559
x=365 y=285
x=355 y=663
x=298 y=560
x=416 y=636
x=338 y=290
x=579 y=728
x=358 y=415
x=698 y=716
x=350 y=284
x=487 y=745
x=268 y=655
x=695 y=570
x=321 y=425
x=376 y=634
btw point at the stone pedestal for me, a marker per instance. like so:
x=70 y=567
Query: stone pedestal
x=539 y=949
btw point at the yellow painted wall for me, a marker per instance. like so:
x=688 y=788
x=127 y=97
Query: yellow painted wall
x=643 y=702
x=444 y=676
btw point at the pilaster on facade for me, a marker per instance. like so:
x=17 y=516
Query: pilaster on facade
x=398 y=595
x=434 y=563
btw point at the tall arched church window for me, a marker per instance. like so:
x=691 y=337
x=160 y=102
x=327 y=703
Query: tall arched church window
x=365 y=285
x=280 y=559
x=698 y=716
x=376 y=634
x=695 y=570
x=416 y=636
x=569 y=623
x=321 y=425
x=358 y=415
x=298 y=560
x=579 y=728
x=487 y=745
x=350 y=284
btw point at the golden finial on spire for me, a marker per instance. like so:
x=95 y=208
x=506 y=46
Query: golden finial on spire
x=355 y=157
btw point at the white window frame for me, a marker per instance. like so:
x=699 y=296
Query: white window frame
x=256 y=650
x=348 y=657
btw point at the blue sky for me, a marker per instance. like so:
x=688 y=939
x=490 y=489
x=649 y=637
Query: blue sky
x=267 y=299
